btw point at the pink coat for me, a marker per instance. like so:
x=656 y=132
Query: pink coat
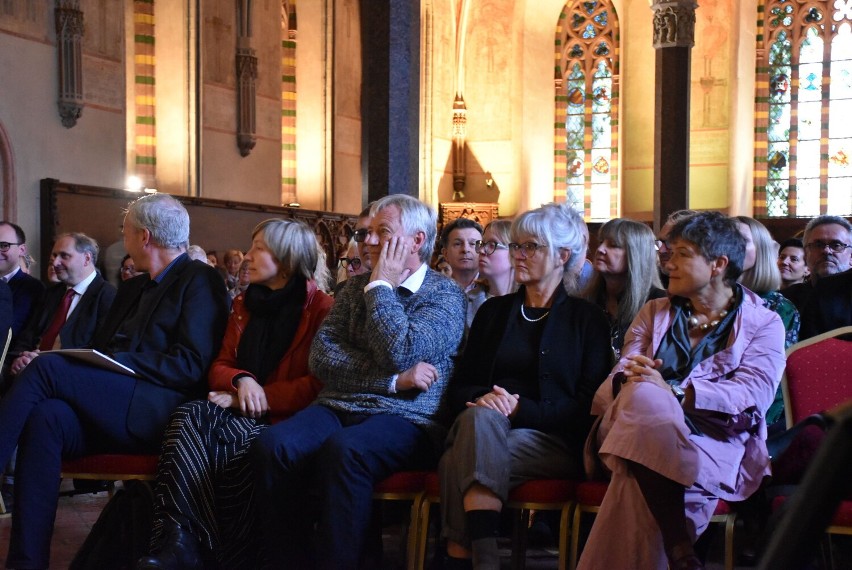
x=739 y=381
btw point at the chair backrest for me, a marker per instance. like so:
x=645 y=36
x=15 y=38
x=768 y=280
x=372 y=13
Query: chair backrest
x=818 y=375
x=6 y=348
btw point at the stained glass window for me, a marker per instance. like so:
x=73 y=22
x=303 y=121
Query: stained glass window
x=586 y=80
x=803 y=137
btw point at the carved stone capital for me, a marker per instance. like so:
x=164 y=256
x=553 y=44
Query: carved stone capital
x=674 y=23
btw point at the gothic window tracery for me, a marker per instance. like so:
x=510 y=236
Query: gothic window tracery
x=803 y=139
x=586 y=126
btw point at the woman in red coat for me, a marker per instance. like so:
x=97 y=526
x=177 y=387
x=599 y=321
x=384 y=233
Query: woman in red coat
x=202 y=513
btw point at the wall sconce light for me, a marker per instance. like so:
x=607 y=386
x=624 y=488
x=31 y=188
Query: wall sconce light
x=134 y=184
x=489 y=180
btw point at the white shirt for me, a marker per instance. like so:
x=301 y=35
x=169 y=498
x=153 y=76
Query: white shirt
x=11 y=274
x=80 y=290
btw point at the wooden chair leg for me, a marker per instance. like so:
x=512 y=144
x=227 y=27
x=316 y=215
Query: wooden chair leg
x=564 y=531
x=519 y=540
x=730 y=521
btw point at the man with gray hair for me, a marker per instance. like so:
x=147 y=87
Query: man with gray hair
x=70 y=311
x=384 y=354
x=166 y=326
x=825 y=301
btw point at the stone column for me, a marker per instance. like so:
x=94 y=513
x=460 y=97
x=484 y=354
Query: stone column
x=674 y=36
x=390 y=35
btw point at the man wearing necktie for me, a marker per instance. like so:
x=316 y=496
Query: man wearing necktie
x=69 y=312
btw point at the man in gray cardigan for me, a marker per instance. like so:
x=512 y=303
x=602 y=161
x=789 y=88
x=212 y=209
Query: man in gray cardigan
x=384 y=354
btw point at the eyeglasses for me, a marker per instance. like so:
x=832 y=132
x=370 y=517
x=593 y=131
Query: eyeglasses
x=529 y=248
x=5 y=245
x=834 y=246
x=355 y=262
x=128 y=269
x=663 y=250
x=488 y=247
x=360 y=235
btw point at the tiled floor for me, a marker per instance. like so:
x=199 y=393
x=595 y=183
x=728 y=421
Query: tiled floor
x=74 y=519
x=77 y=514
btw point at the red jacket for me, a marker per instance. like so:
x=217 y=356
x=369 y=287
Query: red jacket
x=291 y=386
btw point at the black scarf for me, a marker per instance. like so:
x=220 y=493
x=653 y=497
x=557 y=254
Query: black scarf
x=275 y=316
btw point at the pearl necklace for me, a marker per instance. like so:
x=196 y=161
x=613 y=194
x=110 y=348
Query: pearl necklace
x=529 y=320
x=692 y=320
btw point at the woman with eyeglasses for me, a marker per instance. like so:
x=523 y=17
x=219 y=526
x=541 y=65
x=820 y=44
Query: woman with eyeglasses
x=349 y=266
x=681 y=418
x=128 y=269
x=523 y=386
x=625 y=276
x=202 y=506
x=495 y=266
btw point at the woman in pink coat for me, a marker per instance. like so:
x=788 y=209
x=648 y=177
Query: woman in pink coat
x=681 y=416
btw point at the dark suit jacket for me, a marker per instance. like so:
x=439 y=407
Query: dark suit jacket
x=78 y=330
x=26 y=291
x=5 y=311
x=574 y=358
x=824 y=306
x=174 y=347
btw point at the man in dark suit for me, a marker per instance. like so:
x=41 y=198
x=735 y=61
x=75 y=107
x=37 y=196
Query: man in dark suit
x=166 y=326
x=26 y=289
x=69 y=312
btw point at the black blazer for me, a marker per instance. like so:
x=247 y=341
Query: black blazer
x=574 y=359
x=5 y=311
x=78 y=330
x=175 y=346
x=824 y=306
x=26 y=291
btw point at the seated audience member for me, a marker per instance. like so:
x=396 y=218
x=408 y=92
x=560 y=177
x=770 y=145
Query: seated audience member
x=233 y=261
x=69 y=312
x=663 y=251
x=497 y=275
x=681 y=417
x=625 y=275
x=828 y=251
x=458 y=243
x=350 y=266
x=202 y=497
x=166 y=326
x=5 y=309
x=442 y=266
x=196 y=252
x=362 y=226
x=761 y=276
x=212 y=259
x=384 y=355
x=128 y=268
x=51 y=274
x=524 y=386
x=791 y=263
x=26 y=289
x=243 y=282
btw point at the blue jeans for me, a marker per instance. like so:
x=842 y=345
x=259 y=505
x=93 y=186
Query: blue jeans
x=57 y=408
x=339 y=457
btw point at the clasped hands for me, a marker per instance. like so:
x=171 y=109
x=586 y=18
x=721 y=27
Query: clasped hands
x=499 y=400
x=21 y=362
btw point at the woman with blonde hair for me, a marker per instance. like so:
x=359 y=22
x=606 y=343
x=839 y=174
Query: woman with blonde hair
x=202 y=505
x=495 y=266
x=762 y=276
x=625 y=277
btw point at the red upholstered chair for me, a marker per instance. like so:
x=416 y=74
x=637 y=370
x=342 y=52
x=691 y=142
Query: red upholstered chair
x=817 y=376
x=542 y=494
x=590 y=495
x=405 y=486
x=111 y=467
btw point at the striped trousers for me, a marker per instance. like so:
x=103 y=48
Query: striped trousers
x=204 y=481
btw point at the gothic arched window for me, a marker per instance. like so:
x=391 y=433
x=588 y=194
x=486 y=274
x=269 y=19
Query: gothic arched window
x=586 y=81
x=803 y=136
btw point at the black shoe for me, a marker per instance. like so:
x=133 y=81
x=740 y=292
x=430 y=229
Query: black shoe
x=181 y=551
